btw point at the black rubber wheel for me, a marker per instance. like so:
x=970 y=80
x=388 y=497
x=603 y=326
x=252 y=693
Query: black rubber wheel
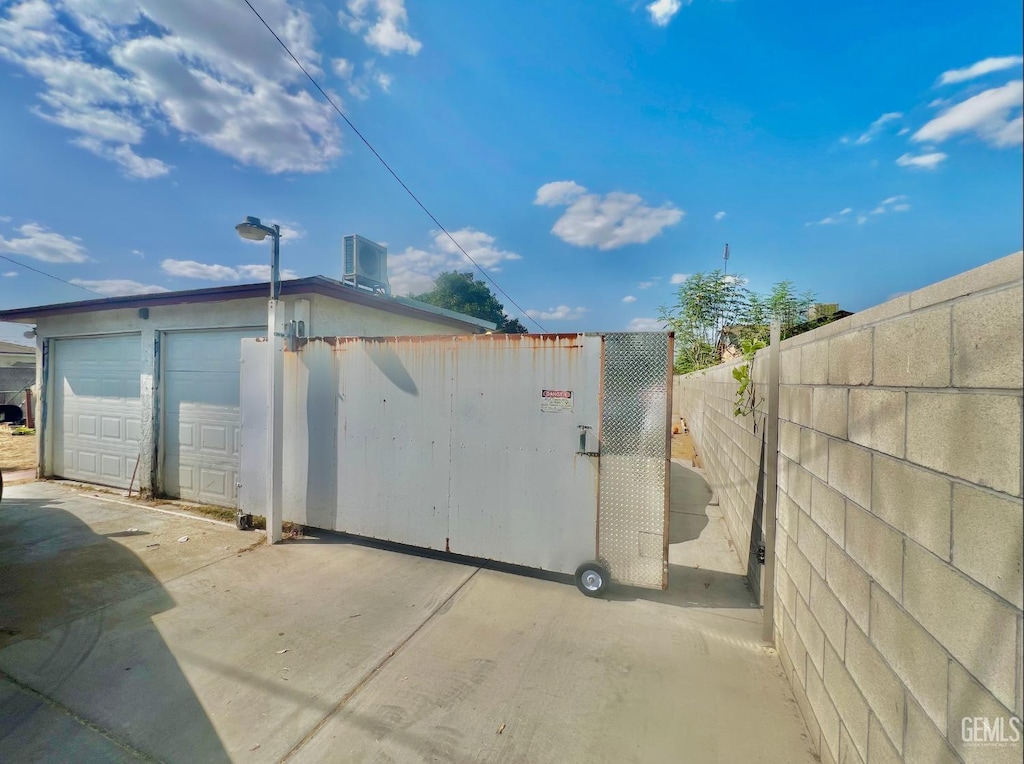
x=1 y=486
x=592 y=578
x=243 y=522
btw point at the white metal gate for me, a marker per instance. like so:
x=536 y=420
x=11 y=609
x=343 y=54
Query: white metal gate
x=537 y=450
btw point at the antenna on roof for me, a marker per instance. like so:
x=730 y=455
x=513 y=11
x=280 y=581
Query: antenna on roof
x=725 y=257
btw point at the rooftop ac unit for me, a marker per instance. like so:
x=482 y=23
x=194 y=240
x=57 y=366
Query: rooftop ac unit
x=365 y=264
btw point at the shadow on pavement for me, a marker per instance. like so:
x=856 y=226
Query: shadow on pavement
x=81 y=680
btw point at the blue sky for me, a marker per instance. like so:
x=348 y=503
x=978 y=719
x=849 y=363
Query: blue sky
x=587 y=153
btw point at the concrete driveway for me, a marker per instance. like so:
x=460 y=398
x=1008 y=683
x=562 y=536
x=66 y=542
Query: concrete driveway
x=119 y=642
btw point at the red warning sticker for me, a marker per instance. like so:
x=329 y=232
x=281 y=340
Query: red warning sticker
x=554 y=401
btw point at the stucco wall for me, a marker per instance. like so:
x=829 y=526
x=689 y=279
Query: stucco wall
x=898 y=608
x=325 y=316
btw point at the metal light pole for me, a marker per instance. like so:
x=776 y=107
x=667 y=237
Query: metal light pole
x=253 y=230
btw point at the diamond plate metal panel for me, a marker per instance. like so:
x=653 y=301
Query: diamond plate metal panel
x=634 y=457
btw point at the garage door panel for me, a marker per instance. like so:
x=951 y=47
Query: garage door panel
x=110 y=428
x=97 y=406
x=201 y=395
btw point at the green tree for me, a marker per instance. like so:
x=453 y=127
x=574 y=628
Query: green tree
x=464 y=294
x=712 y=307
x=782 y=304
x=706 y=303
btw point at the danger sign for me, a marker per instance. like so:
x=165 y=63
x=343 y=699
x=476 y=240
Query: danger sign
x=554 y=401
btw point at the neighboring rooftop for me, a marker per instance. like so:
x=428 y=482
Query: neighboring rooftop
x=13 y=348
x=312 y=285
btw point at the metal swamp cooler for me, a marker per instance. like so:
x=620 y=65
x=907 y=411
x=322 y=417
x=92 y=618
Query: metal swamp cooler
x=549 y=451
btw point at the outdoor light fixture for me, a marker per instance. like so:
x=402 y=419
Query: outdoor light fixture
x=252 y=229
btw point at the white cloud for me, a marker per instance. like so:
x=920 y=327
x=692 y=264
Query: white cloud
x=40 y=244
x=190 y=269
x=606 y=222
x=678 y=278
x=847 y=212
x=343 y=68
x=117 y=287
x=662 y=11
x=896 y=203
x=559 y=192
x=989 y=115
x=115 y=72
x=830 y=220
x=877 y=126
x=981 y=68
x=384 y=22
x=629 y=299
x=413 y=271
x=561 y=313
x=133 y=165
x=360 y=80
x=646 y=325
x=927 y=161
x=645 y=285
x=10 y=274
x=138 y=253
x=719 y=216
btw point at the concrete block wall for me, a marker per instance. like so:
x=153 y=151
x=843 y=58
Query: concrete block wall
x=898 y=592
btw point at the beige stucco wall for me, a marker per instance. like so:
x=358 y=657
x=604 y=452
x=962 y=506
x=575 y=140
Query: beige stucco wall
x=898 y=610
x=326 y=317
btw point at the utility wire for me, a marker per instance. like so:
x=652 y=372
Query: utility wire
x=50 y=275
x=389 y=169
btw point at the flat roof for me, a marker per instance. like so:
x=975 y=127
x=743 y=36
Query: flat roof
x=312 y=285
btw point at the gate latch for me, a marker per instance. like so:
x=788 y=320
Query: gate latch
x=585 y=438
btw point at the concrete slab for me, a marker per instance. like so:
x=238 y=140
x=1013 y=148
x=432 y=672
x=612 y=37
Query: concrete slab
x=326 y=649
x=520 y=669
x=35 y=730
x=66 y=554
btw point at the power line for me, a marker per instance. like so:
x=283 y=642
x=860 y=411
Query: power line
x=388 y=167
x=50 y=275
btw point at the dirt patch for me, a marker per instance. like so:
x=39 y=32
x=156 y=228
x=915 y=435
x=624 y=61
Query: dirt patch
x=17 y=452
x=683 y=447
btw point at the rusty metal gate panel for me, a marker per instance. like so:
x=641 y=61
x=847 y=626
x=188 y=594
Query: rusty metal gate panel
x=636 y=408
x=539 y=450
x=521 y=491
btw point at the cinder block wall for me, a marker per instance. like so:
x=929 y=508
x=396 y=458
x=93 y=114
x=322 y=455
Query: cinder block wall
x=899 y=546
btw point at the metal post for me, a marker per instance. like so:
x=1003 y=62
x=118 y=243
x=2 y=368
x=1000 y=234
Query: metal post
x=274 y=396
x=771 y=499
x=275 y=264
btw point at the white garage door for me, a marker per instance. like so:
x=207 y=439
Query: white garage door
x=96 y=407
x=201 y=419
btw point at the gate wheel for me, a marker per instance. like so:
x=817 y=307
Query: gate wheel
x=243 y=522
x=592 y=578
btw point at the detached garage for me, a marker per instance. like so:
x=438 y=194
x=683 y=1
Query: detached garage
x=144 y=391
